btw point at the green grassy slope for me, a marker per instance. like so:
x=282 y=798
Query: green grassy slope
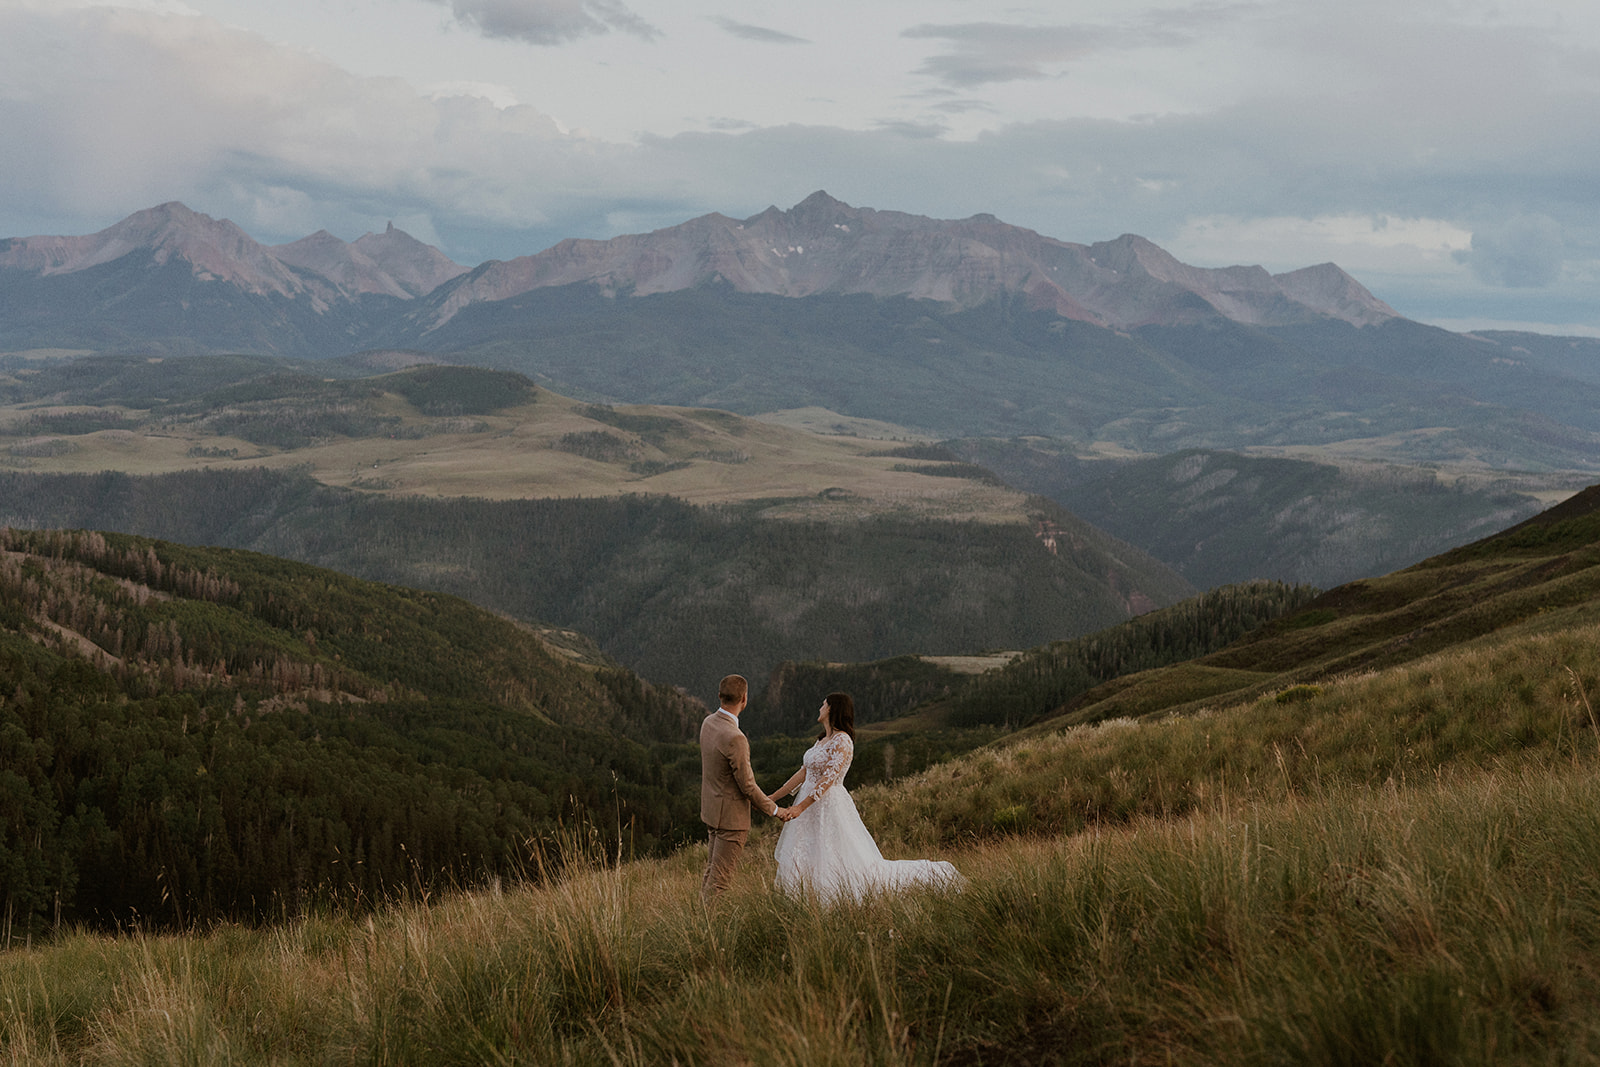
x=1247 y=645
x=1540 y=575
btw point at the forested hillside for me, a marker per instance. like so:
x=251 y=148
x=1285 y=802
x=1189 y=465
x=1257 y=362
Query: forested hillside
x=1035 y=681
x=198 y=734
x=679 y=593
x=1222 y=517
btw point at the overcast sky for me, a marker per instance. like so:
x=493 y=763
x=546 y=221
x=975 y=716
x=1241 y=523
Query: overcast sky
x=1445 y=152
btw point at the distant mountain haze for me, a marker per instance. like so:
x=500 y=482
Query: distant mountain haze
x=215 y=250
x=171 y=280
x=820 y=246
x=392 y=263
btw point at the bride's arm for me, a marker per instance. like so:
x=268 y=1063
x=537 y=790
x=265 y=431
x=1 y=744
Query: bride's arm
x=834 y=764
x=792 y=784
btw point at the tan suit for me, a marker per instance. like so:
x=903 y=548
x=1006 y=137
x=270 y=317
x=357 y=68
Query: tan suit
x=727 y=789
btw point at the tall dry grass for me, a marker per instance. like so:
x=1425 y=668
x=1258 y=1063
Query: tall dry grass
x=1400 y=868
x=1492 y=703
x=1455 y=920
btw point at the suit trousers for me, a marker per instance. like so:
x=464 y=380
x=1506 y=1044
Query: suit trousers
x=726 y=847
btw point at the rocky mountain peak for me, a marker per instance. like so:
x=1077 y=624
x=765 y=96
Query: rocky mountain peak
x=1155 y=287
x=1328 y=289
x=820 y=209
x=1131 y=252
x=392 y=263
x=824 y=245
x=416 y=267
x=215 y=249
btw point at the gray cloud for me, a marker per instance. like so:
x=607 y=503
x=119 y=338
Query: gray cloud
x=901 y=128
x=757 y=33
x=963 y=106
x=549 y=22
x=1291 y=157
x=982 y=53
x=1523 y=252
x=103 y=114
x=143 y=109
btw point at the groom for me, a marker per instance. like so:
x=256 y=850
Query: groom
x=727 y=786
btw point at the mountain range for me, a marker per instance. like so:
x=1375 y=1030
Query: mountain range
x=952 y=328
x=823 y=246
x=171 y=278
x=820 y=246
x=321 y=267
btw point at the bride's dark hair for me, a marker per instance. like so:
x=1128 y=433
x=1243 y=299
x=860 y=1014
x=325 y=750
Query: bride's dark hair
x=842 y=713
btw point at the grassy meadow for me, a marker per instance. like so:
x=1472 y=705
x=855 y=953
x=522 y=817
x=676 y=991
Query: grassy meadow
x=503 y=440
x=1400 y=866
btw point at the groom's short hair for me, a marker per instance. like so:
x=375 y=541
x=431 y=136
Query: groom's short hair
x=733 y=689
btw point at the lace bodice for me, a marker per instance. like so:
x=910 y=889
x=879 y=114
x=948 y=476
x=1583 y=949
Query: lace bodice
x=826 y=763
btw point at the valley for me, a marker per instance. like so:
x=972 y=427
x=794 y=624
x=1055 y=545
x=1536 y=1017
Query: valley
x=475 y=482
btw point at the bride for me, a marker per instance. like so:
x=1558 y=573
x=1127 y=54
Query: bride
x=824 y=847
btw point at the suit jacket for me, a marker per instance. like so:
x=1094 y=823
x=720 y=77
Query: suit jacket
x=727 y=784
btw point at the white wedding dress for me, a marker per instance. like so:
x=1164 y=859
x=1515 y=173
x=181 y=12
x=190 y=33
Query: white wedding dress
x=827 y=850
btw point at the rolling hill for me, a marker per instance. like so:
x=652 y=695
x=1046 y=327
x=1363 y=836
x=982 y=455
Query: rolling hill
x=200 y=735
x=1537 y=577
x=756 y=542
x=439 y=430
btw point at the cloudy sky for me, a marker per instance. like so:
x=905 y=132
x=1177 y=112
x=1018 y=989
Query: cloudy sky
x=1446 y=152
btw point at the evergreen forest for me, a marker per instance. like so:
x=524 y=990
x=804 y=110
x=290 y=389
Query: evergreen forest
x=198 y=735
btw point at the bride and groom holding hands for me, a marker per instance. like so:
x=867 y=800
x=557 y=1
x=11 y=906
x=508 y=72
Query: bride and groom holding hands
x=824 y=848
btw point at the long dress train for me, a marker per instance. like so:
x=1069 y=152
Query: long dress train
x=828 y=850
